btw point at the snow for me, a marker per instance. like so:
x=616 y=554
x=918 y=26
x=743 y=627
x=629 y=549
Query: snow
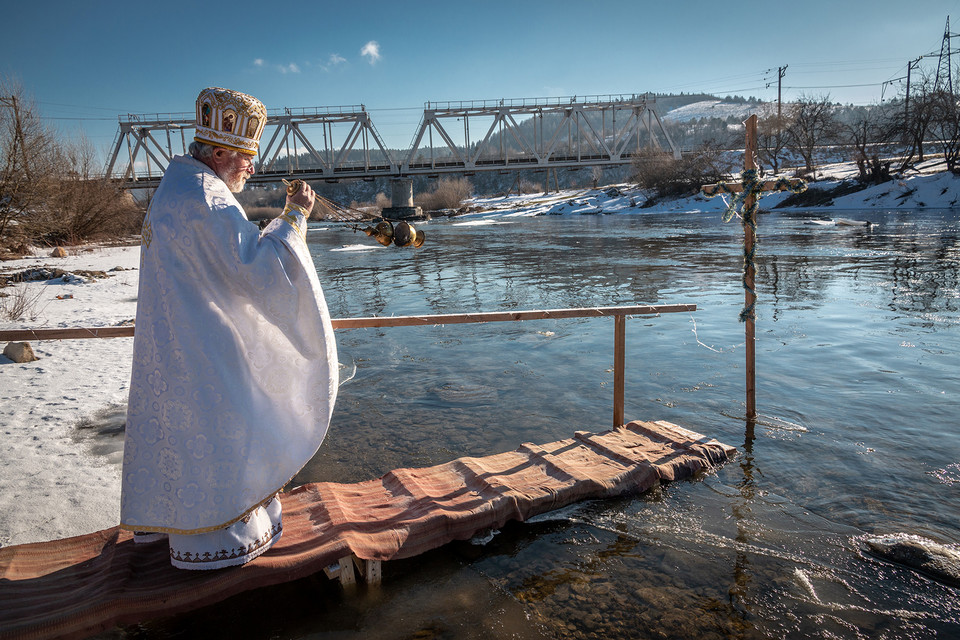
x=57 y=480
x=355 y=247
x=61 y=415
x=928 y=186
x=718 y=109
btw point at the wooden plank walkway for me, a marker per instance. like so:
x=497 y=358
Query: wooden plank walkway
x=79 y=586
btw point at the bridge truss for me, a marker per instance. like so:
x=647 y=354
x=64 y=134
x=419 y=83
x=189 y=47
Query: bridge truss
x=334 y=143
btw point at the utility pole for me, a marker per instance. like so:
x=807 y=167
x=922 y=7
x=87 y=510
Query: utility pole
x=943 y=64
x=906 y=105
x=782 y=71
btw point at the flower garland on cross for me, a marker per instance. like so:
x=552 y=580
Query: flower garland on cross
x=746 y=197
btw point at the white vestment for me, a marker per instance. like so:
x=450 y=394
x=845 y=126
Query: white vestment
x=234 y=368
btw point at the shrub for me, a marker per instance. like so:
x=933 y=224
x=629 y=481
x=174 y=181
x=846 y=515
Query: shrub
x=79 y=206
x=668 y=177
x=22 y=303
x=526 y=186
x=449 y=193
x=49 y=191
x=28 y=163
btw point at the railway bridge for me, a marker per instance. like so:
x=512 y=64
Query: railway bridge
x=337 y=143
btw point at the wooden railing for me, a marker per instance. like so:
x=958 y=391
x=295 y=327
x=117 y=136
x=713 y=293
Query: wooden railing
x=619 y=314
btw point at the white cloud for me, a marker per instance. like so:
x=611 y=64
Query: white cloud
x=334 y=60
x=371 y=51
x=260 y=63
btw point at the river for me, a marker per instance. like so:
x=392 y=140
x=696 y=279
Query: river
x=858 y=331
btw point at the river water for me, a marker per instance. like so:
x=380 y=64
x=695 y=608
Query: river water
x=858 y=392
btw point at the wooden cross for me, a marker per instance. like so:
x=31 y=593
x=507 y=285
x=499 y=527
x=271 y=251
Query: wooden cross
x=748 y=191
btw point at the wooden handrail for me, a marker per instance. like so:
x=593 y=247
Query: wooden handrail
x=618 y=313
x=509 y=316
x=71 y=333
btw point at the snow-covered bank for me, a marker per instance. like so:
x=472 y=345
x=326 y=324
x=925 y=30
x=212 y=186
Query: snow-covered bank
x=58 y=480
x=929 y=187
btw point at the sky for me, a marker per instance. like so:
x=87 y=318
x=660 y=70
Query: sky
x=86 y=63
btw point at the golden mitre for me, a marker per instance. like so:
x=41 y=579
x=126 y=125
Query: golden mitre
x=230 y=119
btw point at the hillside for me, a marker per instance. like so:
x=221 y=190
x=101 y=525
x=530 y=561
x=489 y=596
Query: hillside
x=719 y=109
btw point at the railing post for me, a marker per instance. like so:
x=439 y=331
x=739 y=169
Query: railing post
x=619 y=362
x=750 y=274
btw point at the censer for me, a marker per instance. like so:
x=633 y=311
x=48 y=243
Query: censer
x=402 y=235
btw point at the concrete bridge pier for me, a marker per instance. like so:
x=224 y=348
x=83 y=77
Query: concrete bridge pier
x=401 y=202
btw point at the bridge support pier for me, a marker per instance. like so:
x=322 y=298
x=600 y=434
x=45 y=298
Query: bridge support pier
x=401 y=202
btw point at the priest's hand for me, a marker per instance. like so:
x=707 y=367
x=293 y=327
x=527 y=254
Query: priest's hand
x=303 y=198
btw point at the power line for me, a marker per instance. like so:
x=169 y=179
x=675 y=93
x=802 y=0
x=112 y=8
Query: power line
x=839 y=86
x=80 y=106
x=78 y=118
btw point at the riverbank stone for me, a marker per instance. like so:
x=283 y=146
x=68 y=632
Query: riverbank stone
x=937 y=561
x=20 y=352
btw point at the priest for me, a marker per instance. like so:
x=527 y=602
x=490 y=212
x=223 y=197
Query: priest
x=234 y=362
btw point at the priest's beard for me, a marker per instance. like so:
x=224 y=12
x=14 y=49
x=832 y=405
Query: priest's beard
x=235 y=172
x=234 y=179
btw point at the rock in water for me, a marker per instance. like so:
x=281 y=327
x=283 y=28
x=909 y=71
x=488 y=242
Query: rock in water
x=847 y=222
x=938 y=561
x=20 y=352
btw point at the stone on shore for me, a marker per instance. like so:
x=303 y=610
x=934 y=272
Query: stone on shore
x=20 y=352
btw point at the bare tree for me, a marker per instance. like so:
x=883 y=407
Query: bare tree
x=919 y=110
x=528 y=186
x=945 y=126
x=449 y=193
x=596 y=174
x=50 y=192
x=27 y=161
x=82 y=204
x=772 y=140
x=867 y=134
x=813 y=124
